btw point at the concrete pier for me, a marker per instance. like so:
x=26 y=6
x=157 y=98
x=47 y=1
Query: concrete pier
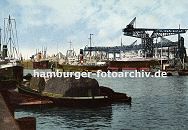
x=9 y=101
x=7 y=122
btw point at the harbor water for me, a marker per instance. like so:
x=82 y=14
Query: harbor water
x=157 y=103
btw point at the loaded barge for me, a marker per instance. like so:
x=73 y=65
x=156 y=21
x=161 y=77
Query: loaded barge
x=84 y=92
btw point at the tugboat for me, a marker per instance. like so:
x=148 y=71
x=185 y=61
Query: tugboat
x=10 y=64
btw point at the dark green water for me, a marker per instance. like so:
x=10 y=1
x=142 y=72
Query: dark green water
x=157 y=103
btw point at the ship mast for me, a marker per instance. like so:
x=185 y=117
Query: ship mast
x=70 y=44
x=90 y=46
x=10 y=37
x=90 y=43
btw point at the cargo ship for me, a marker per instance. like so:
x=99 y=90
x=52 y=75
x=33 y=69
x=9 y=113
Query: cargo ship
x=133 y=61
x=80 y=63
x=37 y=61
x=10 y=64
x=83 y=68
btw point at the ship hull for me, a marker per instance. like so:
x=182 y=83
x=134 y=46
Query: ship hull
x=36 y=65
x=41 y=65
x=132 y=65
x=12 y=73
x=183 y=73
x=7 y=84
x=69 y=101
x=82 y=68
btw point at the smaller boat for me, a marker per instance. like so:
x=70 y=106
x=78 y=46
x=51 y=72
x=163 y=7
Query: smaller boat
x=183 y=72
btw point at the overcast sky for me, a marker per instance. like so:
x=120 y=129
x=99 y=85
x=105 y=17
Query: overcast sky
x=53 y=23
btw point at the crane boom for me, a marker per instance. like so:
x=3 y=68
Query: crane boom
x=147 y=40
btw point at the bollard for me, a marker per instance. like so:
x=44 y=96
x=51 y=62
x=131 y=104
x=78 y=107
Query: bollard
x=27 y=123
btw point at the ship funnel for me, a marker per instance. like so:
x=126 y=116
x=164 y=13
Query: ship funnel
x=81 y=56
x=81 y=51
x=5 y=50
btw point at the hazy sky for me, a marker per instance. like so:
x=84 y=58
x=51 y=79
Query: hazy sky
x=53 y=23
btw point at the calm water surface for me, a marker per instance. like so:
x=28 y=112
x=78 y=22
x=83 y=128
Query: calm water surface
x=157 y=103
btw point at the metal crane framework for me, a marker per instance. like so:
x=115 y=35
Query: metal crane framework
x=133 y=47
x=147 y=40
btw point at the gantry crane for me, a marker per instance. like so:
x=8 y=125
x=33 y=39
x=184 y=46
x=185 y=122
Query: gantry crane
x=147 y=39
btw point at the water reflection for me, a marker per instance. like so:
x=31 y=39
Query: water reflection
x=71 y=118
